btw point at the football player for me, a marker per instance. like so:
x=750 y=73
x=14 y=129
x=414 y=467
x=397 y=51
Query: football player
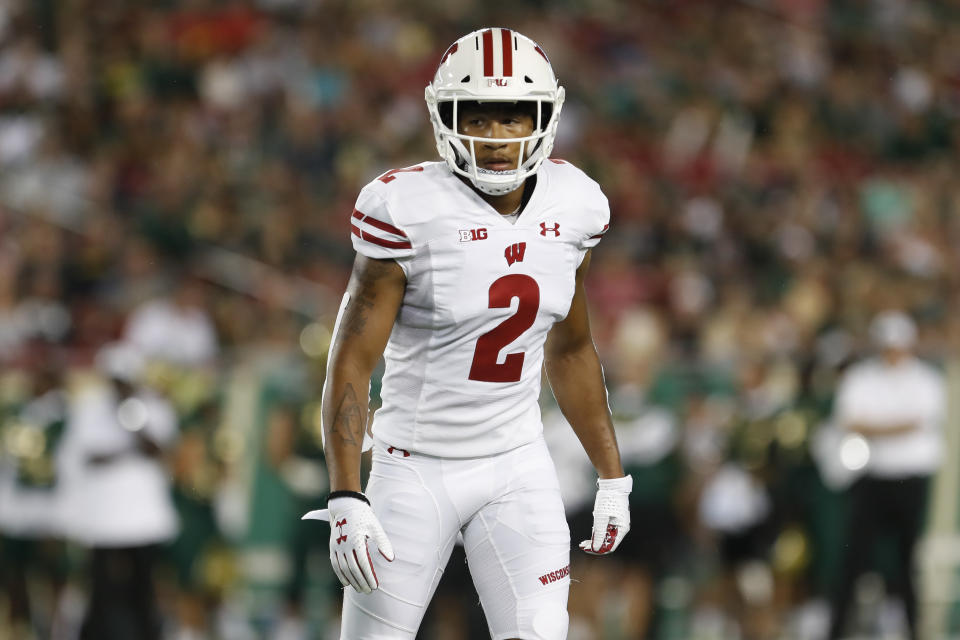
x=468 y=279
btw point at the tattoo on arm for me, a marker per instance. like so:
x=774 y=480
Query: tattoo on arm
x=355 y=315
x=348 y=421
x=363 y=297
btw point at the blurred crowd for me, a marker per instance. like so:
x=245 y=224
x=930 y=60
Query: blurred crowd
x=176 y=178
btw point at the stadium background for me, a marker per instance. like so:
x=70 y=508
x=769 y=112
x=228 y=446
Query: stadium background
x=778 y=172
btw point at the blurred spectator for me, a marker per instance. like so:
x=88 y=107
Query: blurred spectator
x=892 y=407
x=32 y=488
x=649 y=441
x=119 y=500
x=27 y=71
x=176 y=330
x=735 y=509
x=14 y=328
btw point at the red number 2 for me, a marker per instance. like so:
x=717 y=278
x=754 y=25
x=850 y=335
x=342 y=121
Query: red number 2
x=390 y=176
x=502 y=292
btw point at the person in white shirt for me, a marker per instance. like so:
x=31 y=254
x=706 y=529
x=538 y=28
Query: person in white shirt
x=118 y=501
x=896 y=403
x=468 y=279
x=176 y=330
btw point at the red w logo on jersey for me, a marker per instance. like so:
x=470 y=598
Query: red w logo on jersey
x=514 y=253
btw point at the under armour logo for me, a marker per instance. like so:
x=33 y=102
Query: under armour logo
x=406 y=454
x=514 y=253
x=609 y=538
x=342 y=537
x=555 y=228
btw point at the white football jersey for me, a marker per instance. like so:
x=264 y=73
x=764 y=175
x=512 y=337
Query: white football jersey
x=464 y=359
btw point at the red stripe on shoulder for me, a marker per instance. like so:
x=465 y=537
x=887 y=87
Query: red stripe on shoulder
x=383 y=226
x=377 y=224
x=602 y=231
x=389 y=244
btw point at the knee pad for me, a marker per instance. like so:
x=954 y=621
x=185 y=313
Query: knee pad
x=550 y=623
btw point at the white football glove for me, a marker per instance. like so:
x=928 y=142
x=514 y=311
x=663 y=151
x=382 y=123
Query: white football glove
x=352 y=522
x=611 y=516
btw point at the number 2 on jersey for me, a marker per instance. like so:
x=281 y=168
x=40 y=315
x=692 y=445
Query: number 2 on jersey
x=390 y=176
x=485 y=367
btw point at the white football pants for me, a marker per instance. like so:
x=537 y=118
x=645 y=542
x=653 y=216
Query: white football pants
x=515 y=535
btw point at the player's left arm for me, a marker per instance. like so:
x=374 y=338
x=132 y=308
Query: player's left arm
x=574 y=371
x=573 y=368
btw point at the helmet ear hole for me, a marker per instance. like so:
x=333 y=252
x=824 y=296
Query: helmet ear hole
x=547 y=113
x=458 y=157
x=446 y=114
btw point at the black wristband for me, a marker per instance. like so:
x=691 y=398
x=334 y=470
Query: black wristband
x=347 y=494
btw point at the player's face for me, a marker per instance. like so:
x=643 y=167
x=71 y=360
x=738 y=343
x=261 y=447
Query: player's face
x=496 y=120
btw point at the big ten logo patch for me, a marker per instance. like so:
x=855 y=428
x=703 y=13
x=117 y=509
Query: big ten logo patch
x=468 y=235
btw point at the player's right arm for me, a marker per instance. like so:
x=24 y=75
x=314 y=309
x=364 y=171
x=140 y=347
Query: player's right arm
x=373 y=300
x=364 y=323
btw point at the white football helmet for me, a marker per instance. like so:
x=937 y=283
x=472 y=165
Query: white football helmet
x=494 y=65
